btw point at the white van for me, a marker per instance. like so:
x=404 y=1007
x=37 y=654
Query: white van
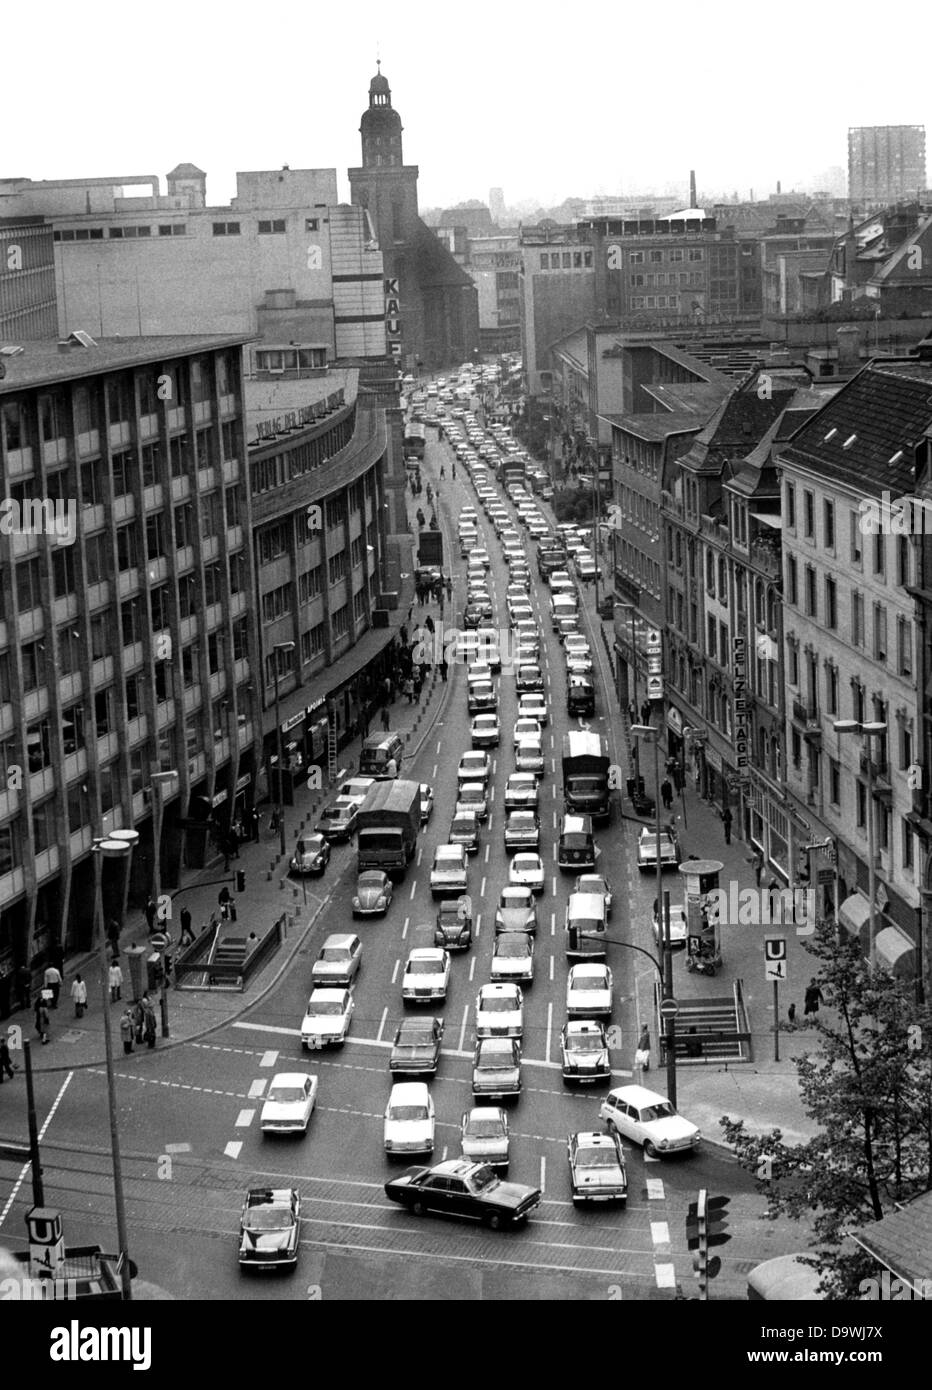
x=563 y=606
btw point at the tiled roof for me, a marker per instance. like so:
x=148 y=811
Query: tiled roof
x=756 y=473
x=893 y=266
x=887 y=408
x=740 y=422
x=187 y=171
x=902 y=1241
x=574 y=345
x=432 y=263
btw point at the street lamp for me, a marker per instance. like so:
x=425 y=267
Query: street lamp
x=132 y=839
x=112 y=848
x=867 y=730
x=651 y=734
x=280 y=647
x=159 y=781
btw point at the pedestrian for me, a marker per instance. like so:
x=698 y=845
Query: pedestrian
x=79 y=995
x=403 y=635
x=6 y=1061
x=386 y=718
x=52 y=981
x=666 y=793
x=449 y=586
x=391 y=769
x=148 y=1020
x=632 y=712
x=429 y=624
x=417 y=685
x=113 y=934
x=425 y=671
x=151 y=910
x=645 y=712
x=254 y=824
x=387 y=690
x=726 y=823
x=454 y=472
x=42 y=1016
x=127 y=1029
x=757 y=864
x=813 y=998
x=116 y=981
x=442 y=469
x=224 y=901
x=693 y=1044
x=443 y=670
x=791 y=1013
x=408 y=689
x=642 y=1055
x=138 y=1019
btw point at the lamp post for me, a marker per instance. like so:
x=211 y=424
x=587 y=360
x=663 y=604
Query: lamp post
x=652 y=735
x=112 y=849
x=280 y=647
x=867 y=730
x=160 y=781
x=596 y=512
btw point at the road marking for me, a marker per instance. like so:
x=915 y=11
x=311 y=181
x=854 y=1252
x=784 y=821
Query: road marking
x=543 y=1174
x=551 y=969
x=438 y=747
x=232 y=1149
x=404 y=929
x=419 y=854
x=472 y=969
x=660 y=1233
x=553 y=850
x=554 y=820
x=553 y=924
x=655 y=1190
x=256 y=1090
x=268 y=1059
x=482 y=887
x=378 y=1036
x=434 y=773
x=395 y=971
x=27 y=1167
x=413 y=891
x=487 y=848
x=460 y=1051
x=177 y=1148
x=478 y=926
x=549 y=1030
x=665 y=1275
x=244 y=1119
x=553 y=884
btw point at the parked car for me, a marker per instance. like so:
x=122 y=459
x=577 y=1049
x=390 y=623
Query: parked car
x=647 y=849
x=356 y=789
x=679 y=928
x=338 y=821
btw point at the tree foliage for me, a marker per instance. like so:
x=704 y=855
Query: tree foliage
x=868 y=1087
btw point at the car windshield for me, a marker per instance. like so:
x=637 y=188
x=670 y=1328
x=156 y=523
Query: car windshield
x=483 y=1180
x=326 y=1008
x=336 y=953
x=662 y=1111
x=499 y=1004
x=483 y=1129
x=513 y=949
x=597 y=1158
x=522 y=819
x=589 y=981
x=583 y=1042
x=415 y=1036
x=590 y=925
x=526 y=863
x=516 y=897
x=266 y=1219
x=401 y=1113
x=472 y=794
x=286 y=1095
x=496 y=1052
x=370 y=881
x=424 y=967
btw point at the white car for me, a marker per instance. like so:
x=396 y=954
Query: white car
x=486 y=731
x=327 y=1019
x=356 y=789
x=595 y=883
x=472 y=796
x=527 y=870
x=533 y=706
x=289 y=1103
x=426 y=975
x=513 y=957
x=484 y=1135
x=479 y=671
x=526 y=727
x=679 y=928
x=500 y=1011
x=648 y=1119
x=521 y=793
x=474 y=767
x=589 y=990
x=529 y=756
x=480 y=557
x=647 y=849
x=409 y=1119
x=448 y=874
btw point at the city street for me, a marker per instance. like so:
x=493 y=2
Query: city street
x=189 y=1116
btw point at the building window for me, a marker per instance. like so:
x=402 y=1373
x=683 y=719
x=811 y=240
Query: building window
x=834 y=781
x=33 y=655
x=904 y=647
x=831 y=603
x=907 y=843
x=855 y=548
x=100 y=636
x=880 y=632
x=792 y=587
x=312 y=224
x=340 y=621
x=880 y=553
x=172 y=229
x=828 y=525
x=38 y=746
x=792 y=654
x=812 y=607
x=275 y=228
x=857 y=619
x=226 y=229
x=831 y=690
x=808 y=515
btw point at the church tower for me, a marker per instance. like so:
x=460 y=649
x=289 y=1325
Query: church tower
x=385 y=185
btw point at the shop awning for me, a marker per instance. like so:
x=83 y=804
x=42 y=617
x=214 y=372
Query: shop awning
x=854 y=912
x=894 y=950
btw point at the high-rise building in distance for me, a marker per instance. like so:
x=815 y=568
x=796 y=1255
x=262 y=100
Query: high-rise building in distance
x=886 y=162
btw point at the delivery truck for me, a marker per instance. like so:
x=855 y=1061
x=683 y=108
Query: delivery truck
x=585 y=775
x=387 y=827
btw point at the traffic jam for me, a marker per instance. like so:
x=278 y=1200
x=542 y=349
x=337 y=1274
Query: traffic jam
x=487 y=885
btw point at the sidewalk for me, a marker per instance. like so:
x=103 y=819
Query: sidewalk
x=269 y=894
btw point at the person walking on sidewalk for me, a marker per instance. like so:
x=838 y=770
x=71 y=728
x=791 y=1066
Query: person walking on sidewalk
x=645 y=712
x=116 y=982
x=443 y=669
x=726 y=824
x=42 y=1018
x=53 y=982
x=148 y=1020
x=151 y=910
x=642 y=1055
x=187 y=935
x=417 y=683
x=127 y=1029
x=666 y=793
x=113 y=934
x=386 y=718
x=79 y=995
x=632 y=712
x=813 y=998
x=6 y=1061
x=408 y=689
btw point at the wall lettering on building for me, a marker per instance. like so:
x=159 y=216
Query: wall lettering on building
x=739 y=680
x=296 y=419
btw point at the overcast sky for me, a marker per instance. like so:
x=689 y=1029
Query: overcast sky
x=545 y=100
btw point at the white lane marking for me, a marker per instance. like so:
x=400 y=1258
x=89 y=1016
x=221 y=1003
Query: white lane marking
x=660 y=1233
x=665 y=1276
x=553 y=924
x=478 y=925
x=413 y=891
x=256 y=1090
x=443 y=1156
x=382 y=1021
x=554 y=851
x=490 y=821
x=244 y=1119
x=553 y=884
x=472 y=968
x=395 y=971
x=268 y=1059
x=554 y=820
x=463 y=1030
x=419 y=856
x=553 y=765
x=434 y=773
x=551 y=969
x=27 y=1167
x=549 y=1030
x=482 y=887
x=404 y=929
x=177 y=1148
x=232 y=1149
x=439 y=745
x=487 y=848
x=553 y=790
x=655 y=1190
x=543 y=1174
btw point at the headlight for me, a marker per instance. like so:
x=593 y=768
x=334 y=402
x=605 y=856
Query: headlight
x=664 y=1143
x=355 y=902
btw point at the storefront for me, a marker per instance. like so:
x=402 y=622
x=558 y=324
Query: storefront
x=675 y=746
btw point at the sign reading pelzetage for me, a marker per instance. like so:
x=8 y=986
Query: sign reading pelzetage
x=739 y=677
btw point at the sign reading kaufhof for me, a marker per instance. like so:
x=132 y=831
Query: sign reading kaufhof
x=740 y=677
x=392 y=316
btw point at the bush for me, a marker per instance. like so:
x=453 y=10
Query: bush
x=573 y=505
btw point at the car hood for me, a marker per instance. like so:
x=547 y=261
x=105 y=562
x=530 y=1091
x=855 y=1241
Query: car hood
x=265 y=1241
x=596 y=1057
x=513 y=918
x=592 y=998
x=509 y=1195
x=672 y=1129
x=319 y=1023
x=330 y=970
x=411 y=1052
x=409 y=1131
x=599 y=1177
x=510 y=965
x=277 y=1110
x=454 y=871
x=422 y=981
x=368 y=897
x=511 y=1019
x=479 y=1148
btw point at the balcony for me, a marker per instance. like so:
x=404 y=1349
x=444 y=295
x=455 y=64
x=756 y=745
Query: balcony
x=878 y=770
x=766 y=555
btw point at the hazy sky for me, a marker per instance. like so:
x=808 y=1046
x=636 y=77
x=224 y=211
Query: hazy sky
x=541 y=99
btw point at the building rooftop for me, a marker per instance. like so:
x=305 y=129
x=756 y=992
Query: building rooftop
x=867 y=433
x=656 y=425
x=43 y=363
x=740 y=422
x=687 y=398
x=902 y=1241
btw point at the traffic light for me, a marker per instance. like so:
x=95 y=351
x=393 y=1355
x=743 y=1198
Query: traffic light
x=716 y=1220
x=706 y=1220
x=240 y=880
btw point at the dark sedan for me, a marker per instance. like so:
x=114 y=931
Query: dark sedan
x=469 y=1191
x=416 y=1049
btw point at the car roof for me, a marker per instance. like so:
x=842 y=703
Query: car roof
x=270 y=1196
x=638 y=1096
x=340 y=939
x=291 y=1078
x=455 y=1167
x=582 y=1025
x=427 y=952
x=498 y=986
x=594 y=1139
x=408 y=1093
x=323 y=995
x=586 y=904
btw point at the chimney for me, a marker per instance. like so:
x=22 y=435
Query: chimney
x=692 y=188
x=778 y=188
x=849 y=347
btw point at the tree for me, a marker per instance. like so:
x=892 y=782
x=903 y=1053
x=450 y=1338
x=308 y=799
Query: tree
x=869 y=1088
